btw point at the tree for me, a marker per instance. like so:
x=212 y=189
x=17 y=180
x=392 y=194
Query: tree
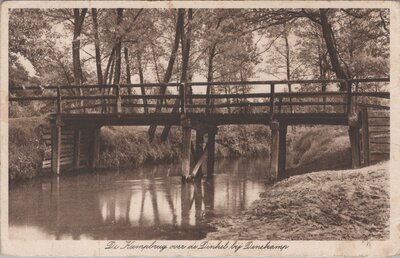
x=79 y=17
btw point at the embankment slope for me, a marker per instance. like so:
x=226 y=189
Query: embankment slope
x=327 y=205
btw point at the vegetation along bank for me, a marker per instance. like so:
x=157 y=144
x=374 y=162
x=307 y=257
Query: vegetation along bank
x=129 y=146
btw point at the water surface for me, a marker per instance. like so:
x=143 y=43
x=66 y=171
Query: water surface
x=139 y=203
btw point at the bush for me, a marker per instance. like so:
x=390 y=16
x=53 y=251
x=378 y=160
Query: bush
x=129 y=146
x=26 y=149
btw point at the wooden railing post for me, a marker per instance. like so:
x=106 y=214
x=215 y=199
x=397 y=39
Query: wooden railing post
x=183 y=97
x=349 y=104
x=59 y=101
x=280 y=105
x=118 y=100
x=272 y=100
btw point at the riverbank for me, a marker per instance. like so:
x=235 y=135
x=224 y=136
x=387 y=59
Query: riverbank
x=327 y=205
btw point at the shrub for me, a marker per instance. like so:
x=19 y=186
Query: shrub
x=26 y=149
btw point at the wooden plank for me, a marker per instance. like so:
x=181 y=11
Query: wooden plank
x=385 y=140
x=380 y=156
x=385 y=148
x=201 y=160
x=377 y=134
x=379 y=129
x=379 y=122
x=65 y=159
x=379 y=153
x=379 y=114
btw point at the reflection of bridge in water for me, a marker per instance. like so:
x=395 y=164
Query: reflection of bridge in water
x=133 y=205
x=73 y=140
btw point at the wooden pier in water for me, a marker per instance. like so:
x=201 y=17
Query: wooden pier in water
x=73 y=133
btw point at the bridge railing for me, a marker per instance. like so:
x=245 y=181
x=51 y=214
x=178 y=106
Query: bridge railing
x=212 y=97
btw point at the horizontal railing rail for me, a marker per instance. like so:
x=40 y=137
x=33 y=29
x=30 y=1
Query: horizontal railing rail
x=116 y=97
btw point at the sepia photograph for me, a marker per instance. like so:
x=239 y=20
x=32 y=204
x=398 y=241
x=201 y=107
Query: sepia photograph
x=223 y=126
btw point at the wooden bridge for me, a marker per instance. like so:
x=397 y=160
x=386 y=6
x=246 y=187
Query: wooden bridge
x=80 y=111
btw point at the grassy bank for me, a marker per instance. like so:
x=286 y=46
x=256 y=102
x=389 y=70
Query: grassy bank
x=129 y=146
x=328 y=205
x=312 y=148
x=26 y=150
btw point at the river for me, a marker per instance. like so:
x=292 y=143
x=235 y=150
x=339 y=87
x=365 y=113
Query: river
x=148 y=202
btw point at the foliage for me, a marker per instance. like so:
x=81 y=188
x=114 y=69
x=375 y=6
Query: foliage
x=26 y=149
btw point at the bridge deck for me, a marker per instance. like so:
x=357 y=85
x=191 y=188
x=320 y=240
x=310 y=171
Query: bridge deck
x=95 y=119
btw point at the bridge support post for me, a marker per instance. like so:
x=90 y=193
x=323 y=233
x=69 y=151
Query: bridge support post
x=282 y=173
x=210 y=154
x=365 y=136
x=94 y=149
x=55 y=149
x=199 y=149
x=186 y=142
x=278 y=150
x=354 y=135
x=77 y=149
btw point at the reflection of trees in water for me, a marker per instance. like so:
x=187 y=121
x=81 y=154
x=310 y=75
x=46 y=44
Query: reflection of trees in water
x=111 y=206
x=158 y=193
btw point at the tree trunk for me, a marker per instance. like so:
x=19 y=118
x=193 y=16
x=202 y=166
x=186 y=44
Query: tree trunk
x=128 y=69
x=141 y=78
x=155 y=64
x=97 y=47
x=106 y=79
x=185 y=37
x=210 y=75
x=330 y=45
x=118 y=46
x=168 y=72
x=79 y=17
x=108 y=67
x=210 y=72
x=287 y=47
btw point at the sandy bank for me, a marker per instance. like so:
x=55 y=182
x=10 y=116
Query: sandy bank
x=328 y=205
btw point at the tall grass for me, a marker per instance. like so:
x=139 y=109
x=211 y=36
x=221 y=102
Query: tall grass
x=322 y=147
